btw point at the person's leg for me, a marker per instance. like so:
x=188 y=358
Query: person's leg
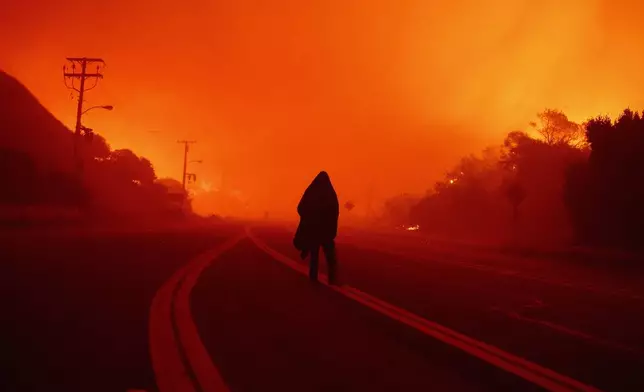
x=313 y=262
x=331 y=261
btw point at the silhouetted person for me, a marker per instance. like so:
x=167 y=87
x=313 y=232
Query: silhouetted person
x=319 y=210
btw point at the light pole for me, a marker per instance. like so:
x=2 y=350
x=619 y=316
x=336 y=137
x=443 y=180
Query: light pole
x=104 y=107
x=89 y=131
x=186 y=144
x=192 y=176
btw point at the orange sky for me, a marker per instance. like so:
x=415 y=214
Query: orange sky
x=384 y=95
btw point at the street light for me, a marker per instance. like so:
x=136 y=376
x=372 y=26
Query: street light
x=89 y=132
x=104 y=107
x=190 y=176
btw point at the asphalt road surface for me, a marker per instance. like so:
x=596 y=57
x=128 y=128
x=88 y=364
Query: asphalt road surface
x=578 y=321
x=77 y=310
x=76 y=305
x=268 y=328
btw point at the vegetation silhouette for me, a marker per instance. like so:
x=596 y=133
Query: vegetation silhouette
x=605 y=193
x=36 y=165
x=558 y=182
x=562 y=183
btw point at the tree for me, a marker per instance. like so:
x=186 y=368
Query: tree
x=540 y=167
x=516 y=194
x=466 y=202
x=481 y=195
x=514 y=147
x=174 y=191
x=98 y=148
x=605 y=195
x=171 y=186
x=129 y=167
x=554 y=127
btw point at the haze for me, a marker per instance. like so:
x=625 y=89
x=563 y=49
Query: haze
x=383 y=95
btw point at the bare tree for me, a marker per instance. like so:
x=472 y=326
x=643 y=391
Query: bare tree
x=554 y=127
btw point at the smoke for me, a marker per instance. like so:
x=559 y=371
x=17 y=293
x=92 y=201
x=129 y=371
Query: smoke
x=383 y=95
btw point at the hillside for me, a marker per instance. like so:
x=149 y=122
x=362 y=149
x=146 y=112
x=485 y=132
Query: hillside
x=37 y=167
x=26 y=126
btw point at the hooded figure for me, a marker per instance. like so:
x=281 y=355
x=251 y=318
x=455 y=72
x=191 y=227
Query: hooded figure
x=319 y=210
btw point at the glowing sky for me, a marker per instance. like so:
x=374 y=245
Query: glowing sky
x=384 y=95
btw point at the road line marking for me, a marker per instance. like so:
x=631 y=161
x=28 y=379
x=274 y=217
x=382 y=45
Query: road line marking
x=521 y=367
x=455 y=260
x=570 y=331
x=170 y=308
x=168 y=366
x=207 y=374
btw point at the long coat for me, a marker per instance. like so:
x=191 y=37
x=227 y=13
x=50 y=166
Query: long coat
x=319 y=211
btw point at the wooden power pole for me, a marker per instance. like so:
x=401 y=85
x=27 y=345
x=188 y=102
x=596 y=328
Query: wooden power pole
x=184 y=174
x=77 y=71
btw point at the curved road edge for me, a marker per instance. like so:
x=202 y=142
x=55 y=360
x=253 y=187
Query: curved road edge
x=181 y=363
x=179 y=359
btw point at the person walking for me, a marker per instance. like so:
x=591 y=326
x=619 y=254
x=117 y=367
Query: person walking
x=319 y=210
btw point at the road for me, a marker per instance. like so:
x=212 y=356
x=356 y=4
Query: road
x=76 y=305
x=580 y=322
x=104 y=311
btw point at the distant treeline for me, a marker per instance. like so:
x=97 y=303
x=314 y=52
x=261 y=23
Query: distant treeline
x=561 y=182
x=111 y=184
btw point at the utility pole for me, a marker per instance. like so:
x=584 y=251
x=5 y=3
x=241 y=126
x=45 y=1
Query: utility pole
x=81 y=76
x=184 y=175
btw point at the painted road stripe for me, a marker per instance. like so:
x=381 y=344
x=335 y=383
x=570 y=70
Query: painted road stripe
x=167 y=363
x=521 y=367
x=179 y=359
x=446 y=257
